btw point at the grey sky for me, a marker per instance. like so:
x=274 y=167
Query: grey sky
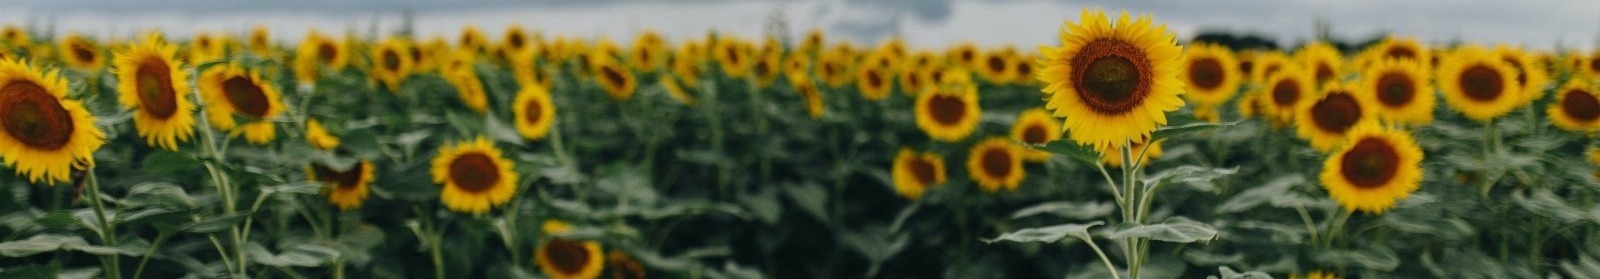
x=935 y=23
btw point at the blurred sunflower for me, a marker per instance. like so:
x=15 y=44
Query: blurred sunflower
x=1405 y=49
x=646 y=53
x=1266 y=64
x=675 y=91
x=14 y=36
x=562 y=258
x=765 y=69
x=472 y=39
x=1035 y=126
x=814 y=41
x=474 y=175
x=260 y=41
x=995 y=66
x=530 y=72
x=468 y=87
x=345 y=189
x=1378 y=168
x=809 y=94
x=1023 y=69
x=1327 y=121
x=732 y=54
x=995 y=163
x=624 y=267
x=1112 y=83
x=963 y=55
x=392 y=63
x=515 y=41
x=915 y=172
x=833 y=70
x=534 y=112
x=874 y=83
x=796 y=64
x=1315 y=275
x=1207 y=113
x=1284 y=92
x=1576 y=108
x=1401 y=91
x=948 y=112
x=618 y=81
x=1113 y=157
x=319 y=136
x=1531 y=78
x=912 y=81
x=151 y=82
x=1210 y=74
x=1322 y=61
x=318 y=55
x=1478 y=85
x=229 y=90
x=204 y=47
x=81 y=53
x=46 y=135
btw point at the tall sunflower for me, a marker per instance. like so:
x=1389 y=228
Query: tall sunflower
x=563 y=258
x=1284 y=93
x=346 y=189
x=995 y=163
x=1577 y=107
x=475 y=176
x=1378 y=168
x=1036 y=127
x=1112 y=83
x=229 y=90
x=1113 y=157
x=1322 y=61
x=46 y=135
x=874 y=82
x=392 y=62
x=151 y=82
x=948 y=112
x=618 y=81
x=81 y=53
x=915 y=172
x=319 y=136
x=534 y=112
x=1210 y=73
x=1327 y=121
x=1402 y=92
x=1477 y=84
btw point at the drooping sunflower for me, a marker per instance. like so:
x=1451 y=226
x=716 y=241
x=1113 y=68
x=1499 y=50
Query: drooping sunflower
x=81 y=53
x=1036 y=127
x=675 y=91
x=46 y=135
x=1112 y=83
x=1478 y=85
x=562 y=258
x=474 y=175
x=1376 y=169
x=948 y=112
x=151 y=82
x=995 y=66
x=915 y=172
x=1322 y=61
x=809 y=94
x=345 y=189
x=1327 y=121
x=1577 y=107
x=1531 y=78
x=995 y=163
x=392 y=63
x=229 y=90
x=1210 y=74
x=1285 y=92
x=1401 y=91
x=874 y=82
x=467 y=84
x=534 y=112
x=618 y=81
x=319 y=136
x=1113 y=157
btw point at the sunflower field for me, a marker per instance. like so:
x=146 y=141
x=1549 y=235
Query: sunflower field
x=1119 y=152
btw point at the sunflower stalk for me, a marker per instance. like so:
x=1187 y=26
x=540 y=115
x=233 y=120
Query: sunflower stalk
x=108 y=233
x=224 y=187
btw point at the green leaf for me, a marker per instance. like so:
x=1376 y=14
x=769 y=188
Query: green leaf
x=215 y=223
x=1083 y=153
x=1188 y=174
x=1067 y=209
x=30 y=272
x=1187 y=128
x=502 y=132
x=1544 y=203
x=1584 y=267
x=303 y=255
x=628 y=182
x=158 y=195
x=105 y=121
x=1049 y=234
x=299 y=187
x=1175 y=229
x=1258 y=195
x=1374 y=257
x=1228 y=273
x=763 y=204
x=1208 y=258
x=811 y=198
x=38 y=244
x=59 y=220
x=167 y=162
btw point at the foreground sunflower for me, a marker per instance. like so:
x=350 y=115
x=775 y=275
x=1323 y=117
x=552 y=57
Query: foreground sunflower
x=1378 y=168
x=151 y=82
x=995 y=163
x=391 y=63
x=46 y=136
x=562 y=258
x=229 y=90
x=1401 y=91
x=1327 y=121
x=1478 y=85
x=346 y=189
x=1036 y=127
x=474 y=175
x=915 y=172
x=948 y=112
x=1577 y=107
x=1112 y=83
x=534 y=112
x=1113 y=157
x=319 y=137
x=1210 y=74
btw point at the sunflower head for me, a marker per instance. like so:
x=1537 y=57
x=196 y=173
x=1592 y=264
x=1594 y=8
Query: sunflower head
x=834 y=68
x=1210 y=74
x=949 y=111
x=1400 y=90
x=319 y=55
x=260 y=41
x=874 y=82
x=1327 y=121
x=562 y=258
x=45 y=135
x=809 y=94
x=1265 y=64
x=1315 y=275
x=915 y=172
x=82 y=53
x=765 y=69
x=996 y=66
x=1284 y=93
x=995 y=163
x=1399 y=48
x=319 y=136
x=1375 y=169
x=647 y=51
x=963 y=55
x=1111 y=82
x=1576 y=108
x=1531 y=78
x=346 y=189
x=14 y=36
x=230 y=91
x=534 y=112
x=474 y=175
x=1036 y=127
x=515 y=40
x=468 y=86
x=1322 y=61
x=617 y=80
x=472 y=38
x=1477 y=84
x=392 y=61
x=152 y=82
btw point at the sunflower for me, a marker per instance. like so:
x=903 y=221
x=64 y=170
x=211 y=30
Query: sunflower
x=1210 y=73
x=346 y=189
x=14 y=36
x=206 y=47
x=1378 y=168
x=1024 y=69
x=472 y=39
x=915 y=172
x=1036 y=127
x=814 y=41
x=624 y=267
x=949 y=111
x=1284 y=92
x=796 y=63
x=562 y=258
x=912 y=81
x=514 y=41
x=530 y=72
x=466 y=82
x=963 y=55
x=1208 y=113
x=151 y=82
x=765 y=69
x=1327 y=121
x=474 y=175
x=1321 y=60
x=732 y=54
x=995 y=163
x=809 y=94
x=1264 y=65
x=874 y=82
x=995 y=66
x=81 y=53
x=319 y=137
x=617 y=81
x=1402 y=49
x=1315 y=275
x=1577 y=107
x=646 y=53
x=675 y=91
x=1401 y=91
x=1113 y=157
x=534 y=112
x=1112 y=83
x=392 y=62
x=1478 y=85
x=1531 y=78
x=229 y=90
x=46 y=135
x=833 y=68
x=1588 y=65
x=317 y=54
x=260 y=41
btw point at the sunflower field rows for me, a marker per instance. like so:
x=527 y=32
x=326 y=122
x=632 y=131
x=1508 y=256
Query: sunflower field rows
x=1119 y=152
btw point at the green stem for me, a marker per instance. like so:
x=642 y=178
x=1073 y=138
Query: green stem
x=1111 y=184
x=108 y=233
x=148 y=252
x=431 y=239
x=1337 y=227
x=1310 y=227
x=1104 y=260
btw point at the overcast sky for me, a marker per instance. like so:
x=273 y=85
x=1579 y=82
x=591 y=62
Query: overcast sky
x=932 y=23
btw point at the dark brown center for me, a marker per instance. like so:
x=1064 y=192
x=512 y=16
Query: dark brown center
x=1522 y=73
x=568 y=257
x=1396 y=89
x=1400 y=52
x=1206 y=73
x=1336 y=113
x=921 y=170
x=474 y=172
x=1035 y=134
x=996 y=63
x=327 y=51
x=34 y=117
x=1112 y=76
x=1324 y=73
x=391 y=60
x=1481 y=83
x=344 y=180
x=613 y=76
x=83 y=51
x=1370 y=163
x=246 y=96
x=947 y=110
x=153 y=79
x=532 y=110
x=1581 y=105
x=874 y=78
x=996 y=162
x=1285 y=93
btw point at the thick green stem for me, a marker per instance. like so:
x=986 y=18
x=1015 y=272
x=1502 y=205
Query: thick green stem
x=1103 y=259
x=108 y=233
